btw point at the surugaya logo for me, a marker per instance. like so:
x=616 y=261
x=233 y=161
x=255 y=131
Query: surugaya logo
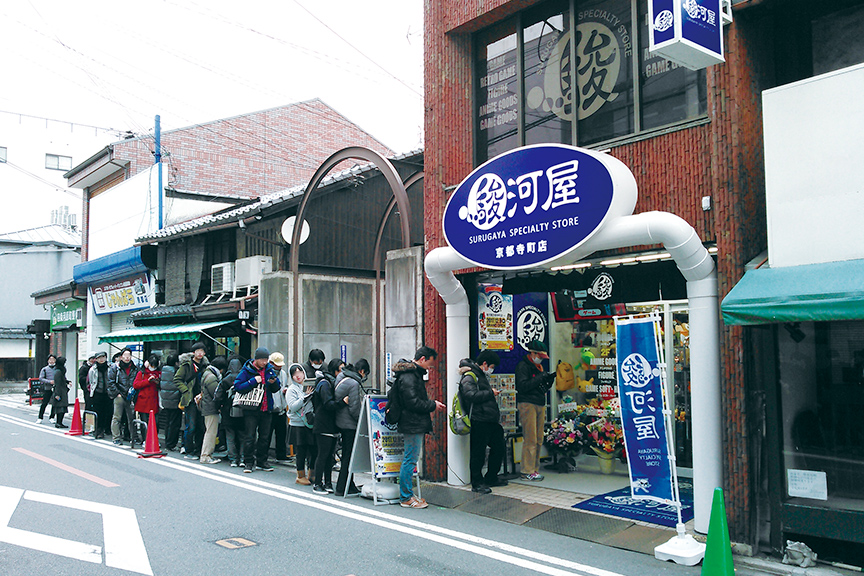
x=530 y=325
x=495 y=303
x=699 y=13
x=636 y=371
x=664 y=21
x=489 y=197
x=601 y=45
x=601 y=288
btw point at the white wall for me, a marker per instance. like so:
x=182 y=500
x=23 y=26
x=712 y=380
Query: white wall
x=130 y=210
x=814 y=181
x=15 y=348
x=30 y=190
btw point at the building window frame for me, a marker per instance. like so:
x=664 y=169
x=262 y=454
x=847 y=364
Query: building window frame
x=640 y=128
x=58 y=162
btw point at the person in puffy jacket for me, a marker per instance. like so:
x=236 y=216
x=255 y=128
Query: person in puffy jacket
x=300 y=419
x=188 y=381
x=147 y=384
x=324 y=428
x=415 y=421
x=349 y=398
x=257 y=373
x=479 y=400
x=532 y=383
x=169 y=396
x=97 y=382
x=121 y=376
x=46 y=380
x=208 y=404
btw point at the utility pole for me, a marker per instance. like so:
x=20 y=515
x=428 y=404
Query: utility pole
x=158 y=159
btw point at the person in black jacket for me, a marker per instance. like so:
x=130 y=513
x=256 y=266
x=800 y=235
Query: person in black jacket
x=325 y=430
x=532 y=383
x=83 y=371
x=60 y=395
x=415 y=421
x=479 y=400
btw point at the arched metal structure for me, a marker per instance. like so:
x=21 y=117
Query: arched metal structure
x=400 y=197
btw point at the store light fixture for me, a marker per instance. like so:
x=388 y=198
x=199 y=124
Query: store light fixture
x=712 y=250
x=653 y=257
x=576 y=266
x=616 y=261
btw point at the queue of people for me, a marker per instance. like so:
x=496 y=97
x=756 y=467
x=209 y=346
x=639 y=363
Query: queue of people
x=310 y=406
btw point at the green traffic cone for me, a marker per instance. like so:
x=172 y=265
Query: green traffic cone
x=718 y=549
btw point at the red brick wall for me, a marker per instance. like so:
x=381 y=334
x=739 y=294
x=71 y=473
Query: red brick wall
x=252 y=154
x=721 y=158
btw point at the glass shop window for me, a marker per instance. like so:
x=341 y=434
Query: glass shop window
x=821 y=366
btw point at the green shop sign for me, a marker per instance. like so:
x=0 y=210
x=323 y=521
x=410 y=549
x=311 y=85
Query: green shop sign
x=67 y=314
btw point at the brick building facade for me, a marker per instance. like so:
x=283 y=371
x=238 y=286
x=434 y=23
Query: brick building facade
x=717 y=154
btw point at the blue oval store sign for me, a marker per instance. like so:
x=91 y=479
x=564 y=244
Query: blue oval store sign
x=535 y=204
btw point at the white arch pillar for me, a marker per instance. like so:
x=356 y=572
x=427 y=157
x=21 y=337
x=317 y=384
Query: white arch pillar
x=694 y=262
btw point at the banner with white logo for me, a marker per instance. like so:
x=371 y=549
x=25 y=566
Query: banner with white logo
x=640 y=389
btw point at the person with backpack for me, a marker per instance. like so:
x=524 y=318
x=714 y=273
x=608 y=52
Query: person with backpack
x=479 y=400
x=415 y=420
x=187 y=378
x=349 y=398
x=209 y=407
x=300 y=422
x=324 y=428
x=121 y=377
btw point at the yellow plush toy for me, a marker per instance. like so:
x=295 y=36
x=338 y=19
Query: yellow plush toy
x=582 y=385
x=564 y=376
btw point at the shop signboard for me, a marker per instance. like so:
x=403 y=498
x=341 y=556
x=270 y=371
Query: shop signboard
x=640 y=389
x=535 y=205
x=689 y=32
x=385 y=442
x=123 y=295
x=67 y=314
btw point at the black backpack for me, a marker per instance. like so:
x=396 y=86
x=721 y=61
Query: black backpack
x=393 y=409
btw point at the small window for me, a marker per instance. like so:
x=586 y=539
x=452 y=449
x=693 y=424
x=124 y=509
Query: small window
x=2 y=154
x=55 y=162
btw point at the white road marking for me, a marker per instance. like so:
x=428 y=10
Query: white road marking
x=9 y=499
x=460 y=540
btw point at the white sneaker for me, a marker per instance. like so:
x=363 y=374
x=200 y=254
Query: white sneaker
x=38 y=420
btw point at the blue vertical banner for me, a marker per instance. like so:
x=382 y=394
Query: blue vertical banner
x=640 y=390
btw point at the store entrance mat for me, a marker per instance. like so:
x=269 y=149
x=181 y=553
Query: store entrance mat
x=590 y=527
x=503 y=508
x=446 y=497
x=620 y=503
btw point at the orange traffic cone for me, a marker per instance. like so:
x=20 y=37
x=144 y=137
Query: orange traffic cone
x=151 y=446
x=77 y=428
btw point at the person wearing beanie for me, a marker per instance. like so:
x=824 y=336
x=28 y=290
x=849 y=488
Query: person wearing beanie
x=257 y=373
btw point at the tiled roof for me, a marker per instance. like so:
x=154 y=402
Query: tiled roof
x=15 y=334
x=51 y=234
x=267 y=201
x=65 y=285
x=162 y=311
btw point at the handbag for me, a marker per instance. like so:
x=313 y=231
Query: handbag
x=250 y=399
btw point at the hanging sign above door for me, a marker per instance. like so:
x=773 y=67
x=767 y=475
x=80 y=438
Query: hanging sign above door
x=534 y=205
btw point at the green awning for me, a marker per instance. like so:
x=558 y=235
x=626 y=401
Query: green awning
x=164 y=332
x=813 y=292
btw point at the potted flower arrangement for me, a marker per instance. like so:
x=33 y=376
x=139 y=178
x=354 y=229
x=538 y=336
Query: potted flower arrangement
x=566 y=437
x=607 y=441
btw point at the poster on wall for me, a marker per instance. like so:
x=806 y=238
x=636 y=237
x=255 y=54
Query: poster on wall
x=641 y=395
x=494 y=318
x=123 y=295
x=530 y=322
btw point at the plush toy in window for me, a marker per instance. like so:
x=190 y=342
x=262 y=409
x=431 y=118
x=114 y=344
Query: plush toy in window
x=564 y=376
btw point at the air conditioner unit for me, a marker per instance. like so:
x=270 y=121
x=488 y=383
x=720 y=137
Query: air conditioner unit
x=249 y=271
x=222 y=278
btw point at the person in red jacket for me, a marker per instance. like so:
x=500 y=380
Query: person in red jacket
x=147 y=385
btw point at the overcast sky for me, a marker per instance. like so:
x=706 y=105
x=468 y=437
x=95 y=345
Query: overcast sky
x=117 y=64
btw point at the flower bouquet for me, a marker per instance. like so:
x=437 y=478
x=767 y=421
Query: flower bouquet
x=567 y=438
x=606 y=437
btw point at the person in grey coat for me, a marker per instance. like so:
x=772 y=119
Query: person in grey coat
x=46 y=380
x=349 y=397
x=60 y=393
x=169 y=396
